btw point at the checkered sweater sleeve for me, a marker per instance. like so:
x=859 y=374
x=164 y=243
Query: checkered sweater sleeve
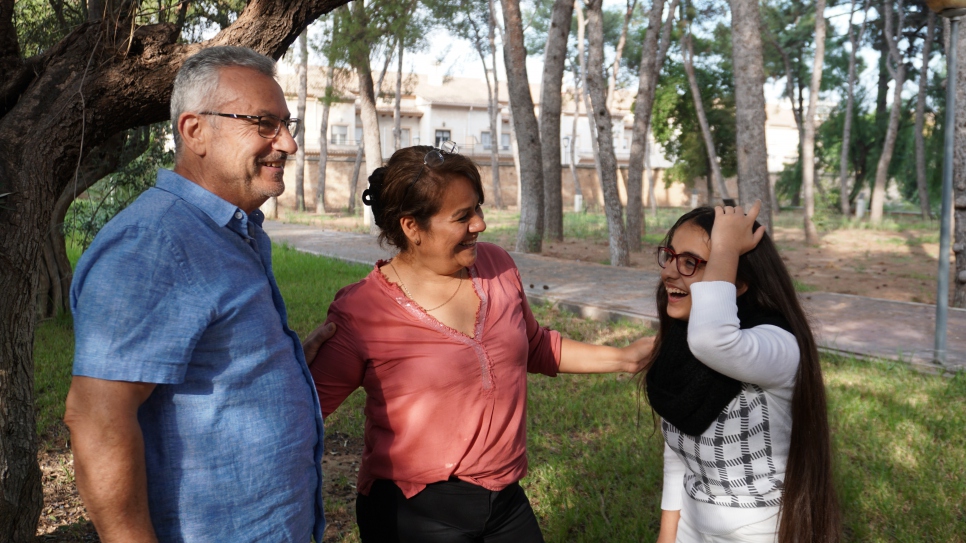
x=738 y=463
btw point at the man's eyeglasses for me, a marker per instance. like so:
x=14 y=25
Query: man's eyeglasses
x=268 y=125
x=686 y=264
x=432 y=159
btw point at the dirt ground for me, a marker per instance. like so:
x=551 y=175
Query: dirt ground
x=895 y=263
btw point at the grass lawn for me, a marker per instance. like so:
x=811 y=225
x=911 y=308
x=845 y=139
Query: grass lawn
x=595 y=460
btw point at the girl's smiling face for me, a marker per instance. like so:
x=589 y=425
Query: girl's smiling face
x=689 y=239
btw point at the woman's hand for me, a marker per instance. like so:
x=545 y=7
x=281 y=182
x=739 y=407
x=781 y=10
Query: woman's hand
x=637 y=354
x=731 y=237
x=315 y=339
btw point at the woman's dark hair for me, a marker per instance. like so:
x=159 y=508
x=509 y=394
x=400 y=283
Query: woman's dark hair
x=809 y=510
x=395 y=192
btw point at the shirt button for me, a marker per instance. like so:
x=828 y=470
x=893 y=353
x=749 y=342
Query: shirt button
x=238 y=215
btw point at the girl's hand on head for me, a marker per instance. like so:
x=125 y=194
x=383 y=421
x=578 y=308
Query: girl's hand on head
x=732 y=230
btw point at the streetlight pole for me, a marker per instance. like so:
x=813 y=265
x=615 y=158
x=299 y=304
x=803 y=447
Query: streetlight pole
x=942 y=294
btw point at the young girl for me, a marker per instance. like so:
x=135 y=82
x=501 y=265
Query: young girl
x=735 y=377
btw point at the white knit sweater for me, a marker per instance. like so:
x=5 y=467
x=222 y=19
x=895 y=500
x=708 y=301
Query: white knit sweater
x=732 y=474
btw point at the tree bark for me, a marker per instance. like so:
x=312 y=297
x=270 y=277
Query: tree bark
x=324 y=142
x=359 y=58
x=750 y=107
x=892 y=130
x=959 y=172
x=921 y=116
x=656 y=42
x=854 y=41
x=588 y=109
x=688 y=55
x=808 y=144
x=605 y=135
x=550 y=106
x=493 y=109
x=397 y=104
x=618 y=53
x=54 y=108
x=303 y=77
x=530 y=231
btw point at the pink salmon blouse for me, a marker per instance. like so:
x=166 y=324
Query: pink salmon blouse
x=439 y=404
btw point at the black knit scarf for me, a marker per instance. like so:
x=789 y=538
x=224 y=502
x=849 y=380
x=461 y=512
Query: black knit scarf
x=684 y=391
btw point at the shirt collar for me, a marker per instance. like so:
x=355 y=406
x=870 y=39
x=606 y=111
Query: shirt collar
x=220 y=211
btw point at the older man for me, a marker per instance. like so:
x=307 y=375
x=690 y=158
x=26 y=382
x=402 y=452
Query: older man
x=192 y=412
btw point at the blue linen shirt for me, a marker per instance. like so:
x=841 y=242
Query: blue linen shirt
x=178 y=290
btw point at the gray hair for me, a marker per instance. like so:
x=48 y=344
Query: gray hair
x=196 y=84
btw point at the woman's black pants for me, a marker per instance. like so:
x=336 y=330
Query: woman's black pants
x=446 y=512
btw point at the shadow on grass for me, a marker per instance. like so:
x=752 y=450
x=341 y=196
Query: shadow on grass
x=78 y=532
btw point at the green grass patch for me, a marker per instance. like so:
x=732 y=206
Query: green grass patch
x=803 y=287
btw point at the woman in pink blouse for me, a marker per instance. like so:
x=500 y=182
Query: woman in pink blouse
x=441 y=337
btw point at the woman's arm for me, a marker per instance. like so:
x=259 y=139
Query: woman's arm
x=577 y=357
x=669 y=526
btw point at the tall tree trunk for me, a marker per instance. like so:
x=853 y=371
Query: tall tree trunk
x=550 y=98
x=397 y=105
x=649 y=173
x=959 y=171
x=808 y=144
x=303 y=77
x=921 y=116
x=605 y=135
x=656 y=42
x=324 y=141
x=854 y=41
x=493 y=108
x=618 y=53
x=359 y=58
x=573 y=142
x=354 y=181
x=591 y=125
x=98 y=81
x=688 y=54
x=892 y=131
x=750 y=107
x=530 y=232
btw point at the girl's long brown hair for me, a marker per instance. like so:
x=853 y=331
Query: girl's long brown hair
x=809 y=510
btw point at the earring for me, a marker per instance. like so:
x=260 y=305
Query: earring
x=418 y=241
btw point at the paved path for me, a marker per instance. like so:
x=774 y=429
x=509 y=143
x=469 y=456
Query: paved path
x=865 y=327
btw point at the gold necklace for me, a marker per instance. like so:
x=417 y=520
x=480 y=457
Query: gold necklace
x=410 y=296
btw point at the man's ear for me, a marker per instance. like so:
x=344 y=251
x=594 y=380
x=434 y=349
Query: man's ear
x=194 y=133
x=742 y=288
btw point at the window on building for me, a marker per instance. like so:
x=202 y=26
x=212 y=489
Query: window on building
x=359 y=134
x=339 y=134
x=486 y=140
x=505 y=142
x=441 y=136
x=404 y=136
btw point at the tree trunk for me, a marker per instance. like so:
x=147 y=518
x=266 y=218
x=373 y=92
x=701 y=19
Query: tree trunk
x=359 y=58
x=354 y=181
x=397 y=105
x=656 y=42
x=921 y=116
x=605 y=135
x=618 y=53
x=892 y=130
x=688 y=54
x=303 y=77
x=750 y=107
x=808 y=144
x=578 y=92
x=99 y=80
x=854 y=41
x=324 y=141
x=591 y=125
x=550 y=104
x=649 y=173
x=493 y=108
x=959 y=172
x=530 y=232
